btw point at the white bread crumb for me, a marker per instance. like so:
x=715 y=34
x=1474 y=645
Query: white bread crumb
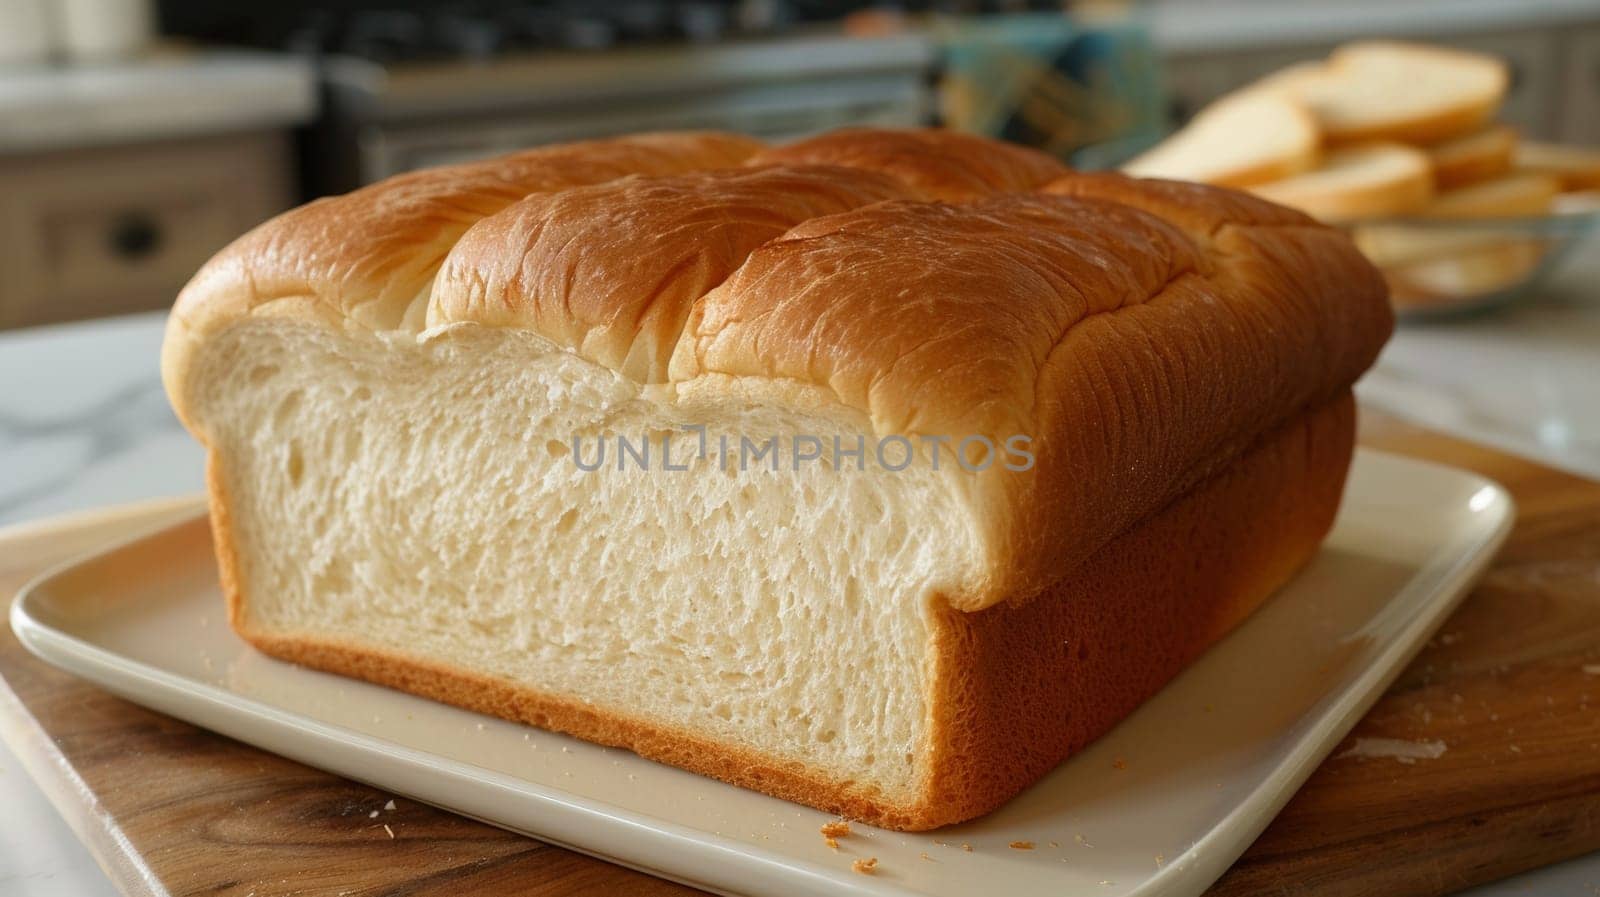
x=1395 y=749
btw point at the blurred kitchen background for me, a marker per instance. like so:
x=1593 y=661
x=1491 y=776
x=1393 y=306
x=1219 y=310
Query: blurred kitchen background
x=139 y=136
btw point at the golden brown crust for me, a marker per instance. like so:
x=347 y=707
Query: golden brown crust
x=946 y=165
x=1434 y=128
x=1017 y=688
x=1476 y=157
x=368 y=258
x=552 y=263
x=1200 y=210
x=1110 y=305
x=981 y=293
x=1024 y=685
x=370 y=253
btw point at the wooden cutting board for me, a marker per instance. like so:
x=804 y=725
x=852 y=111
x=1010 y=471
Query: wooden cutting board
x=1511 y=687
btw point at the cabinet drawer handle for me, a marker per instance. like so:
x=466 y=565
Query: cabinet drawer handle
x=135 y=235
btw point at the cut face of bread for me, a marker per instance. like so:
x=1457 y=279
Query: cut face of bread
x=1474 y=157
x=1366 y=181
x=1249 y=139
x=1387 y=90
x=418 y=495
x=904 y=627
x=1577 y=168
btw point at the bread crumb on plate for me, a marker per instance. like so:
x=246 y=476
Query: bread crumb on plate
x=836 y=829
x=831 y=843
x=1021 y=845
x=868 y=866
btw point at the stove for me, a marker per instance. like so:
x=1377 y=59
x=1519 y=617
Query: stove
x=384 y=115
x=412 y=83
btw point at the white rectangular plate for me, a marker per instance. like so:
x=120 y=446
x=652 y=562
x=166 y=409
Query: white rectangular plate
x=1160 y=806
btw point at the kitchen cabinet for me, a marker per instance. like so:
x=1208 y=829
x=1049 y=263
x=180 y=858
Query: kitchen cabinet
x=118 y=179
x=112 y=229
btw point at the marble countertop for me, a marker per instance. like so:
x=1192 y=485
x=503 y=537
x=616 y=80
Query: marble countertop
x=165 y=95
x=84 y=423
x=1525 y=380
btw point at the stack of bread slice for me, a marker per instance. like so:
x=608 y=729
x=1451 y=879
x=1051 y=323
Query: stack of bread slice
x=1385 y=130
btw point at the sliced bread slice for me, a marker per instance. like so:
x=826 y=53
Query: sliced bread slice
x=1404 y=244
x=1247 y=139
x=1511 y=196
x=1474 y=157
x=1577 y=168
x=1470 y=274
x=1388 y=90
x=1365 y=181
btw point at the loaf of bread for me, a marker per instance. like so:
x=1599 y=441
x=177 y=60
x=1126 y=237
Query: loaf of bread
x=401 y=392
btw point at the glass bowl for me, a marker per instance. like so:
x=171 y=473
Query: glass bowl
x=1448 y=267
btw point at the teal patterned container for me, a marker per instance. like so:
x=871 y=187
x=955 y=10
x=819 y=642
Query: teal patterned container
x=1086 y=92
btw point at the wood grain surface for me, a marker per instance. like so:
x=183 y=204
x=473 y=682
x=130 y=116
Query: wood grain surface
x=1511 y=687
